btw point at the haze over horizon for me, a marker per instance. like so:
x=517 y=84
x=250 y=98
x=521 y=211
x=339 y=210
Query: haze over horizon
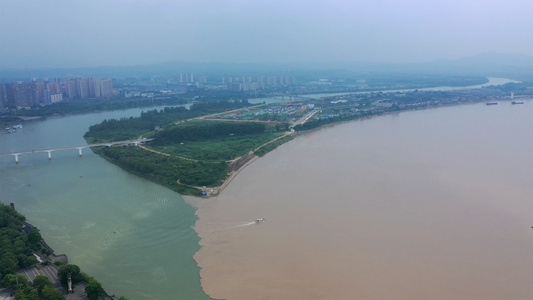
x=64 y=34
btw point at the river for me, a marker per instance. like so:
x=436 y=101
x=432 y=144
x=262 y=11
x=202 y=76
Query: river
x=135 y=236
x=428 y=204
x=132 y=235
x=492 y=81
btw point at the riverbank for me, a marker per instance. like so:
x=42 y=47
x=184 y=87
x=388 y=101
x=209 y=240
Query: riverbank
x=348 y=218
x=32 y=263
x=100 y=215
x=242 y=162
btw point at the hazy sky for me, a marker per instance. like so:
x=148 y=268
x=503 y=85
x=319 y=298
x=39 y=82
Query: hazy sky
x=73 y=33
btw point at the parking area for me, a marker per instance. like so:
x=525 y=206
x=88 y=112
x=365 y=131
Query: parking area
x=5 y=294
x=49 y=271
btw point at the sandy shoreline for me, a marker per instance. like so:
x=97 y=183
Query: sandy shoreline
x=345 y=225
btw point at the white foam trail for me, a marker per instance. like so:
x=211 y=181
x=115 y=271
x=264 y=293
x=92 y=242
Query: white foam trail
x=247 y=224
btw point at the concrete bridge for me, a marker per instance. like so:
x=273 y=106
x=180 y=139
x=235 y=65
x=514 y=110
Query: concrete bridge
x=50 y=150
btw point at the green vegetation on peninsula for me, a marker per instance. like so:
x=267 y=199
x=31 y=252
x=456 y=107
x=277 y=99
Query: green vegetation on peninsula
x=197 y=151
x=187 y=151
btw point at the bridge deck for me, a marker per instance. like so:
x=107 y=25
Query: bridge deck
x=77 y=147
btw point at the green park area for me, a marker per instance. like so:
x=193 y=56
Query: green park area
x=186 y=152
x=213 y=141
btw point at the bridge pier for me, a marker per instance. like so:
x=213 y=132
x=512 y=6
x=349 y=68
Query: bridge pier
x=79 y=147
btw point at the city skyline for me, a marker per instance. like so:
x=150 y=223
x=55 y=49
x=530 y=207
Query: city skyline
x=67 y=34
x=21 y=95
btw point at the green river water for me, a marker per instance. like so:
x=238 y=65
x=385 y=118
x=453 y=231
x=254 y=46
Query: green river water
x=132 y=235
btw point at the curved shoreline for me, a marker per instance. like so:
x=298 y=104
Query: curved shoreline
x=210 y=235
x=215 y=191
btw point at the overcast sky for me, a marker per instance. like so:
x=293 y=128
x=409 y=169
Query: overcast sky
x=75 y=33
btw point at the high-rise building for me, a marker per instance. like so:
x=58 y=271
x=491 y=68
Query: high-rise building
x=39 y=90
x=272 y=81
x=71 y=87
x=83 y=88
x=286 y=80
x=13 y=95
x=261 y=82
x=47 y=97
x=107 y=87
x=2 y=97
x=235 y=86
x=98 y=87
x=21 y=95
x=29 y=95
x=55 y=88
x=91 y=88
x=103 y=87
x=56 y=98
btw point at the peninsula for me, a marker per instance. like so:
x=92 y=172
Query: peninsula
x=198 y=151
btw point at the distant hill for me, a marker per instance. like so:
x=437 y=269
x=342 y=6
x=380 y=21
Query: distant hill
x=517 y=66
x=498 y=59
x=484 y=64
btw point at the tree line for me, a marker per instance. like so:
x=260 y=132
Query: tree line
x=315 y=123
x=18 y=242
x=167 y=170
x=205 y=130
x=129 y=128
x=16 y=247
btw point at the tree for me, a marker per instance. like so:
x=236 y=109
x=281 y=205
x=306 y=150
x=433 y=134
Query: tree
x=26 y=293
x=40 y=282
x=49 y=293
x=8 y=263
x=30 y=261
x=74 y=270
x=34 y=237
x=94 y=289
x=14 y=282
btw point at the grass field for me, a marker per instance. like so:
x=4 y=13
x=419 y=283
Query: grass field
x=218 y=149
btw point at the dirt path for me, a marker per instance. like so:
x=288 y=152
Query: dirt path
x=166 y=154
x=234 y=166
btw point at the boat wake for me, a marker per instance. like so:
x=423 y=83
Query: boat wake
x=247 y=224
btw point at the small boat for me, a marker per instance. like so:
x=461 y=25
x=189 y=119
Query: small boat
x=514 y=102
x=260 y=220
x=492 y=103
